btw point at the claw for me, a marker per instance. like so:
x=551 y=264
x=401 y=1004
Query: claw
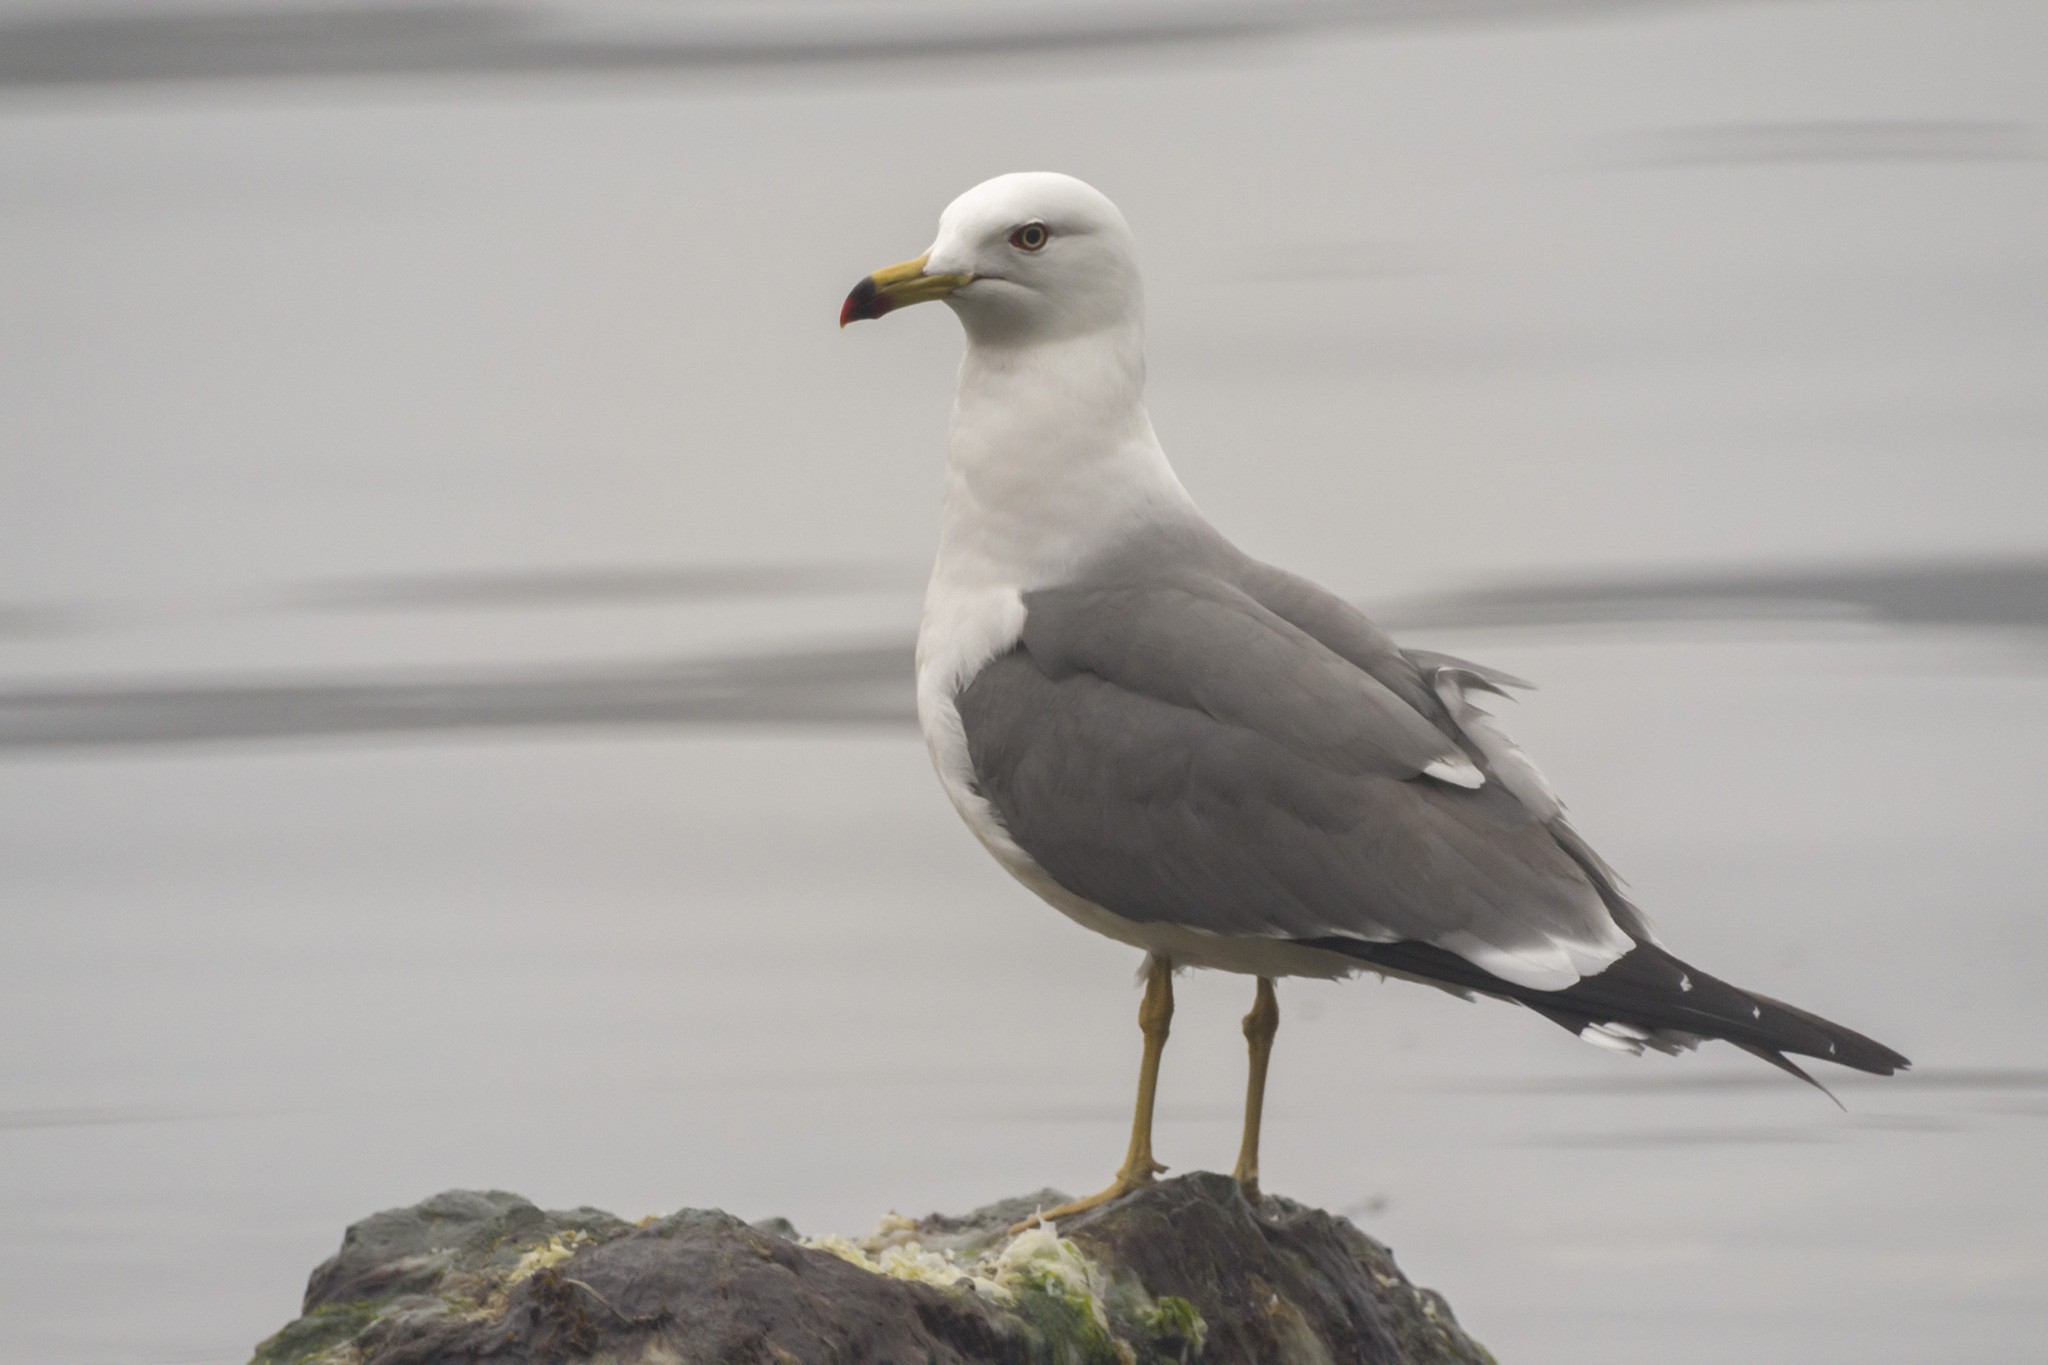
x=1125 y=1184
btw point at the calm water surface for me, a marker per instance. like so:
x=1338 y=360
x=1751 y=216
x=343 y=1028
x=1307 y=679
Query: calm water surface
x=438 y=393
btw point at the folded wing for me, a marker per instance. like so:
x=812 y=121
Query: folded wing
x=1178 y=752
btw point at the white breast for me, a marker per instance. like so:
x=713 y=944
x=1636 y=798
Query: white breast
x=964 y=628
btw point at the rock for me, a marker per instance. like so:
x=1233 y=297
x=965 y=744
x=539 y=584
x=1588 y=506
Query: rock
x=1183 y=1271
x=1276 y=1282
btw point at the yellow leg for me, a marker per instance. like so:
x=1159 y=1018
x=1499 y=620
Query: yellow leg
x=1259 y=1027
x=1155 y=1017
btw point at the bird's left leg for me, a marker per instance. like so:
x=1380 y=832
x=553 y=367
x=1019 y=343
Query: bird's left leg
x=1259 y=1027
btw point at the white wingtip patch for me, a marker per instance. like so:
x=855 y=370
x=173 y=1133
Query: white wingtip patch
x=1458 y=771
x=1616 y=1037
x=1554 y=965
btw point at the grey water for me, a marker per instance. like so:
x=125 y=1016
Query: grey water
x=456 y=589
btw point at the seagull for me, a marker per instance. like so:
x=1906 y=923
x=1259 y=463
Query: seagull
x=1214 y=760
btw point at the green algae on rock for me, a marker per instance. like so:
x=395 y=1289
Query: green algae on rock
x=1183 y=1271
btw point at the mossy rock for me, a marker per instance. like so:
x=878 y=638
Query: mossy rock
x=1181 y=1272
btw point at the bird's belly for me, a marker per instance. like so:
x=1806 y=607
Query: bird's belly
x=1185 y=947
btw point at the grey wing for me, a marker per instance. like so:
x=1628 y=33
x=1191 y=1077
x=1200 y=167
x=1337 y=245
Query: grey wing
x=1340 y=627
x=1179 y=754
x=1443 y=688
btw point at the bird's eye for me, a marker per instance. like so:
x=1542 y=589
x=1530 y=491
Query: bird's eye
x=1030 y=237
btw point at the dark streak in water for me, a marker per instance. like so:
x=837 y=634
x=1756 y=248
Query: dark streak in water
x=1992 y=592
x=868 y=685
x=1988 y=592
x=457 y=39
x=856 y=686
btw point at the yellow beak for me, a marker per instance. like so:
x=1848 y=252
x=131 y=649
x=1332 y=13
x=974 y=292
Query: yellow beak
x=897 y=286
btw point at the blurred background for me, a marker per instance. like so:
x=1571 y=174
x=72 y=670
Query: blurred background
x=456 y=593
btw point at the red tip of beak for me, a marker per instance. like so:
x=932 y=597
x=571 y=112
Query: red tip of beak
x=864 y=304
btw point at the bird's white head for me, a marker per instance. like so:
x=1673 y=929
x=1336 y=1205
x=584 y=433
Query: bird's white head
x=1024 y=258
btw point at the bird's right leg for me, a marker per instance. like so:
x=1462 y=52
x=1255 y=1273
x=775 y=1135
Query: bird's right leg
x=1155 y=1018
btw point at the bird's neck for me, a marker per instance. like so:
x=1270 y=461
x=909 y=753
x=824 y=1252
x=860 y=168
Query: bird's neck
x=1051 y=461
